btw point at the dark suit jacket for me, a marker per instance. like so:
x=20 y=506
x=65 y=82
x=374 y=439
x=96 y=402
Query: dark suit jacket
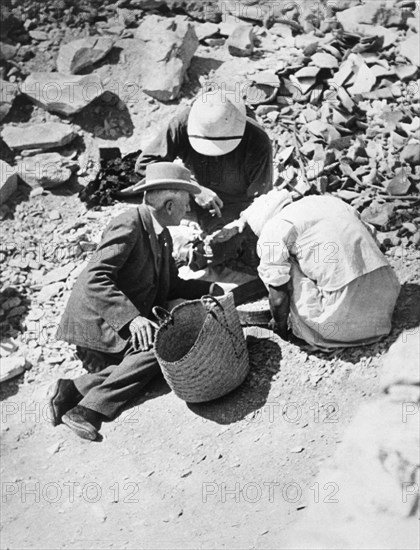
x=129 y=274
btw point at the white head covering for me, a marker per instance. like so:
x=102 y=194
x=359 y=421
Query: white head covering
x=216 y=123
x=264 y=208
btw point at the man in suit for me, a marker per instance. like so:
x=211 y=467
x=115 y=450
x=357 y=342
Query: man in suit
x=109 y=313
x=230 y=156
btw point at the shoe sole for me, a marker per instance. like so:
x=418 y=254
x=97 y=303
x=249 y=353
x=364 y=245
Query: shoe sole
x=82 y=432
x=52 y=394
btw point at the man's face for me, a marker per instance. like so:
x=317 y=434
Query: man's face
x=180 y=206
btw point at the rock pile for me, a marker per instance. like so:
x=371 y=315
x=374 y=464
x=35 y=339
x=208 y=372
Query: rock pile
x=335 y=86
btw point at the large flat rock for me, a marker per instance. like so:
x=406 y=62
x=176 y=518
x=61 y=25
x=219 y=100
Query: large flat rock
x=169 y=46
x=409 y=48
x=61 y=93
x=38 y=136
x=48 y=170
x=79 y=54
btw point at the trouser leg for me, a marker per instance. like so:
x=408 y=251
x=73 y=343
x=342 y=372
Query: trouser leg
x=108 y=391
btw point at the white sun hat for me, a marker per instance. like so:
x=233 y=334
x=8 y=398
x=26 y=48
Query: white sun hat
x=216 y=123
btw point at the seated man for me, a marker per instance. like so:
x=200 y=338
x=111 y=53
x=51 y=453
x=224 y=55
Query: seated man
x=323 y=270
x=109 y=313
x=230 y=156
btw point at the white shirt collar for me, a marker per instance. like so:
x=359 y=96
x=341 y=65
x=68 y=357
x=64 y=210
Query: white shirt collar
x=156 y=226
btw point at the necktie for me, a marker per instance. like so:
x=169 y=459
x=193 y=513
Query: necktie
x=161 y=245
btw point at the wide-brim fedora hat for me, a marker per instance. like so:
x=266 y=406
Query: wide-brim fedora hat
x=165 y=176
x=216 y=123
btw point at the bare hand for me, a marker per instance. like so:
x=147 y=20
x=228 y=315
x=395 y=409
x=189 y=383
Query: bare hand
x=209 y=200
x=227 y=232
x=142 y=332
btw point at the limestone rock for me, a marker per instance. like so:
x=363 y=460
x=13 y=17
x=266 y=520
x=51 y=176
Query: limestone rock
x=409 y=48
x=89 y=161
x=399 y=184
x=60 y=93
x=59 y=274
x=79 y=54
x=38 y=35
x=147 y=4
x=8 y=181
x=373 y=12
x=48 y=292
x=205 y=30
x=411 y=153
x=7 y=51
x=378 y=214
x=241 y=42
x=200 y=10
x=401 y=363
x=325 y=60
x=8 y=92
x=10 y=367
x=169 y=48
x=38 y=136
x=47 y=170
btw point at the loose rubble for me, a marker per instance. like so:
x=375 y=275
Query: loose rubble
x=337 y=90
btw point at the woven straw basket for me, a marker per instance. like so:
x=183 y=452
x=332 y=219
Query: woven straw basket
x=201 y=348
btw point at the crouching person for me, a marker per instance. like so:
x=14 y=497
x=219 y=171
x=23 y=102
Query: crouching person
x=109 y=313
x=324 y=271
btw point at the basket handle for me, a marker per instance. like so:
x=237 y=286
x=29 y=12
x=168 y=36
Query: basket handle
x=162 y=315
x=223 y=322
x=211 y=299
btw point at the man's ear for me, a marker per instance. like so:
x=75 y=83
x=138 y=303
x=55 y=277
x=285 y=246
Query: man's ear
x=169 y=206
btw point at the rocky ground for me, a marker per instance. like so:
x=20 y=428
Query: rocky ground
x=338 y=93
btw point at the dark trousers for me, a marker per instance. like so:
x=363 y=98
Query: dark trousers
x=123 y=379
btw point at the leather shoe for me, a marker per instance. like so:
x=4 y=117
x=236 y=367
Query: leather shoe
x=85 y=422
x=62 y=396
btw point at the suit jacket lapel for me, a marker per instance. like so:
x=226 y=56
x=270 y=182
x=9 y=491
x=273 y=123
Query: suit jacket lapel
x=146 y=218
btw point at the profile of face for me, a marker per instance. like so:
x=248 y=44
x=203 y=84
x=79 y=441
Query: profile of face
x=178 y=207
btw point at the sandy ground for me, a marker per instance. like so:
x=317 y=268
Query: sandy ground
x=234 y=473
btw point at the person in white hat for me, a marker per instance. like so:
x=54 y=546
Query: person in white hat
x=109 y=314
x=228 y=153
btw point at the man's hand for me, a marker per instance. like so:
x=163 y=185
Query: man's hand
x=227 y=232
x=142 y=331
x=209 y=200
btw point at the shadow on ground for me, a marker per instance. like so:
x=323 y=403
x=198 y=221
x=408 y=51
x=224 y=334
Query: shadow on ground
x=265 y=357
x=200 y=66
x=107 y=117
